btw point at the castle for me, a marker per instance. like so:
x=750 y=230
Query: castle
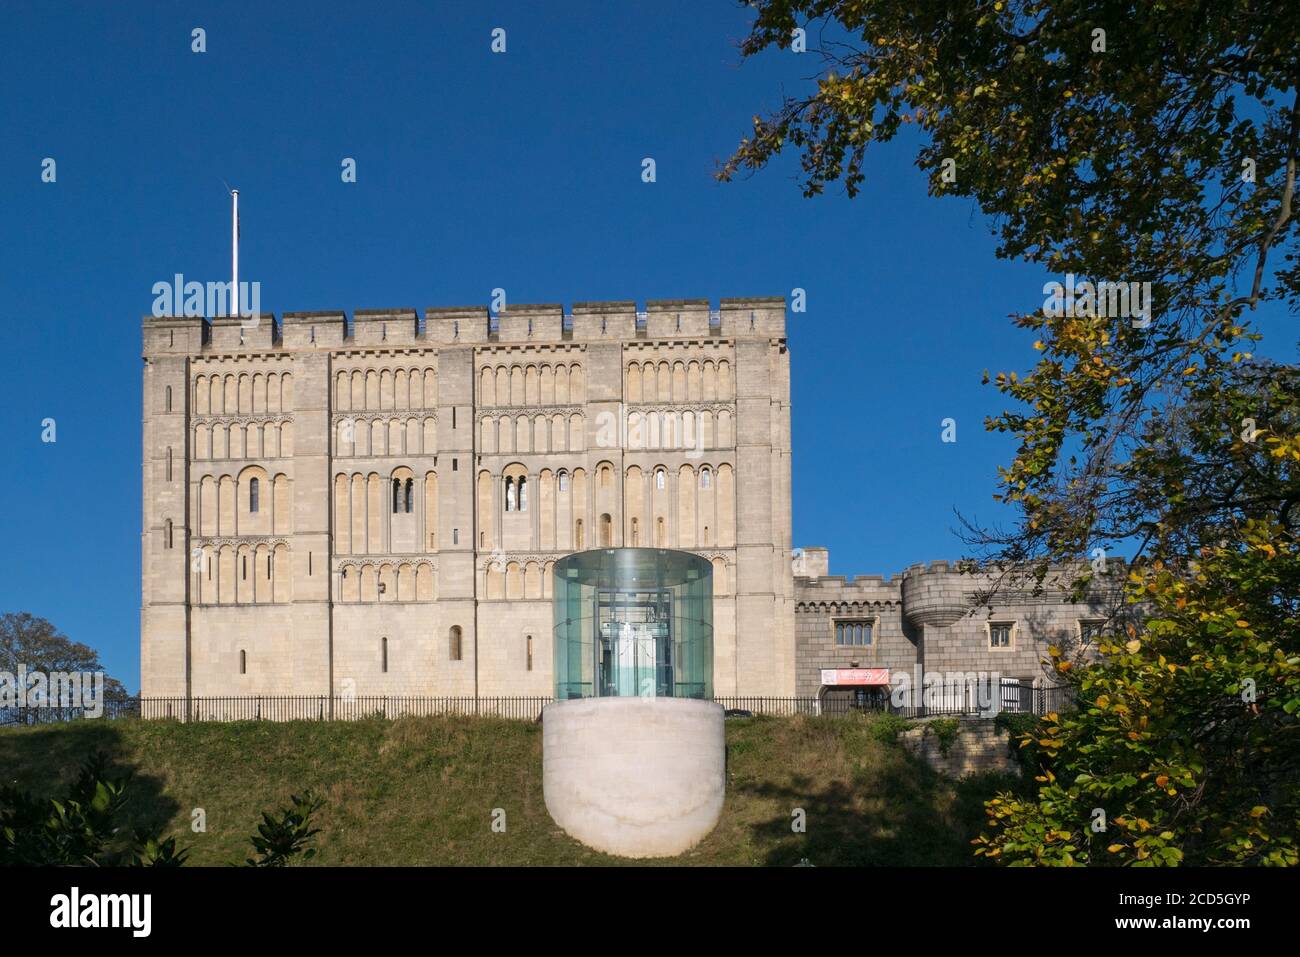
x=374 y=505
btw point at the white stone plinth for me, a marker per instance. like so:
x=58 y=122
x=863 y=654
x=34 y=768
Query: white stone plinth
x=637 y=777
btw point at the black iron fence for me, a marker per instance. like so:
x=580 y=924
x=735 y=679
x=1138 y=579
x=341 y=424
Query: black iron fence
x=118 y=708
x=959 y=702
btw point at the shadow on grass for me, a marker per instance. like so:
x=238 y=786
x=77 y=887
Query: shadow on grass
x=43 y=759
x=901 y=815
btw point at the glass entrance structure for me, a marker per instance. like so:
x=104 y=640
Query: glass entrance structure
x=633 y=622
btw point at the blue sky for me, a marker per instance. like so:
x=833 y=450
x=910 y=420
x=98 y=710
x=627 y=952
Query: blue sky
x=475 y=171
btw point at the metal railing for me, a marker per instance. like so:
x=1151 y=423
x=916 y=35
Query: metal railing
x=519 y=708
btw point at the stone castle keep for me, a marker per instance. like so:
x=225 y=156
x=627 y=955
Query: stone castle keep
x=374 y=506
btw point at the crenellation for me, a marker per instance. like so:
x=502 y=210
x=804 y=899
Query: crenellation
x=314 y=330
x=762 y=316
x=386 y=490
x=384 y=328
x=459 y=325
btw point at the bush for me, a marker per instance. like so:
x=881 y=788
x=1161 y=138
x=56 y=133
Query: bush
x=945 y=731
x=81 y=827
x=885 y=728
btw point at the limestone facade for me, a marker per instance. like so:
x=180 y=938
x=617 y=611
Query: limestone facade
x=373 y=505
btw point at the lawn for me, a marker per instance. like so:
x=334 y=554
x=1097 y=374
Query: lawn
x=422 y=791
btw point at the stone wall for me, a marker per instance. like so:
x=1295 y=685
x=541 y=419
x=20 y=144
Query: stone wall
x=977 y=748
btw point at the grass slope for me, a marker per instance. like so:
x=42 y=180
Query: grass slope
x=421 y=791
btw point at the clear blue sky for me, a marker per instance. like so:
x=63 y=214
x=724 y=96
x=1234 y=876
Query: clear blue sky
x=475 y=171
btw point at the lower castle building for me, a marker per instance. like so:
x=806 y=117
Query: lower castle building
x=374 y=505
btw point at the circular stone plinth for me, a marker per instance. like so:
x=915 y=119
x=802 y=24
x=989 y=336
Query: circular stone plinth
x=637 y=777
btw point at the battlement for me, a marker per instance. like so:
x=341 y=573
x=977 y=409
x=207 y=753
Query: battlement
x=620 y=320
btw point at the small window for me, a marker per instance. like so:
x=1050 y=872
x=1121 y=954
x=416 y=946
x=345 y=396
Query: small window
x=706 y=479
x=397 y=496
x=410 y=495
x=169 y=533
x=254 y=494
x=564 y=481
x=243 y=662
x=169 y=398
x=528 y=643
x=1091 y=629
x=383 y=654
x=1000 y=633
x=855 y=633
x=523 y=494
x=169 y=465
x=454 y=641
x=510 y=494
x=455 y=536
x=659 y=479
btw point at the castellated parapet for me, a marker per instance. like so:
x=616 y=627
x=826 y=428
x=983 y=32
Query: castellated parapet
x=372 y=504
x=931 y=617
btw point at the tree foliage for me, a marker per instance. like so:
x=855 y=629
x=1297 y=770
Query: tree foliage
x=1136 y=143
x=37 y=644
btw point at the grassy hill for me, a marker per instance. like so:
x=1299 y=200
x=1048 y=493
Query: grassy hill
x=421 y=791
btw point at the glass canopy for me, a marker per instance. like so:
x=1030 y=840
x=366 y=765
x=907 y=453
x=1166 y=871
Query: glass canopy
x=633 y=622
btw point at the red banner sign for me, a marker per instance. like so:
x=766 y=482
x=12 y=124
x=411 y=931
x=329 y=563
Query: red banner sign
x=832 y=677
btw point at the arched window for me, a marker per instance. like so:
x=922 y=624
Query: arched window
x=254 y=494
x=523 y=494
x=397 y=496
x=564 y=481
x=659 y=478
x=410 y=495
x=706 y=478
x=606 y=531
x=510 y=494
x=455 y=643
